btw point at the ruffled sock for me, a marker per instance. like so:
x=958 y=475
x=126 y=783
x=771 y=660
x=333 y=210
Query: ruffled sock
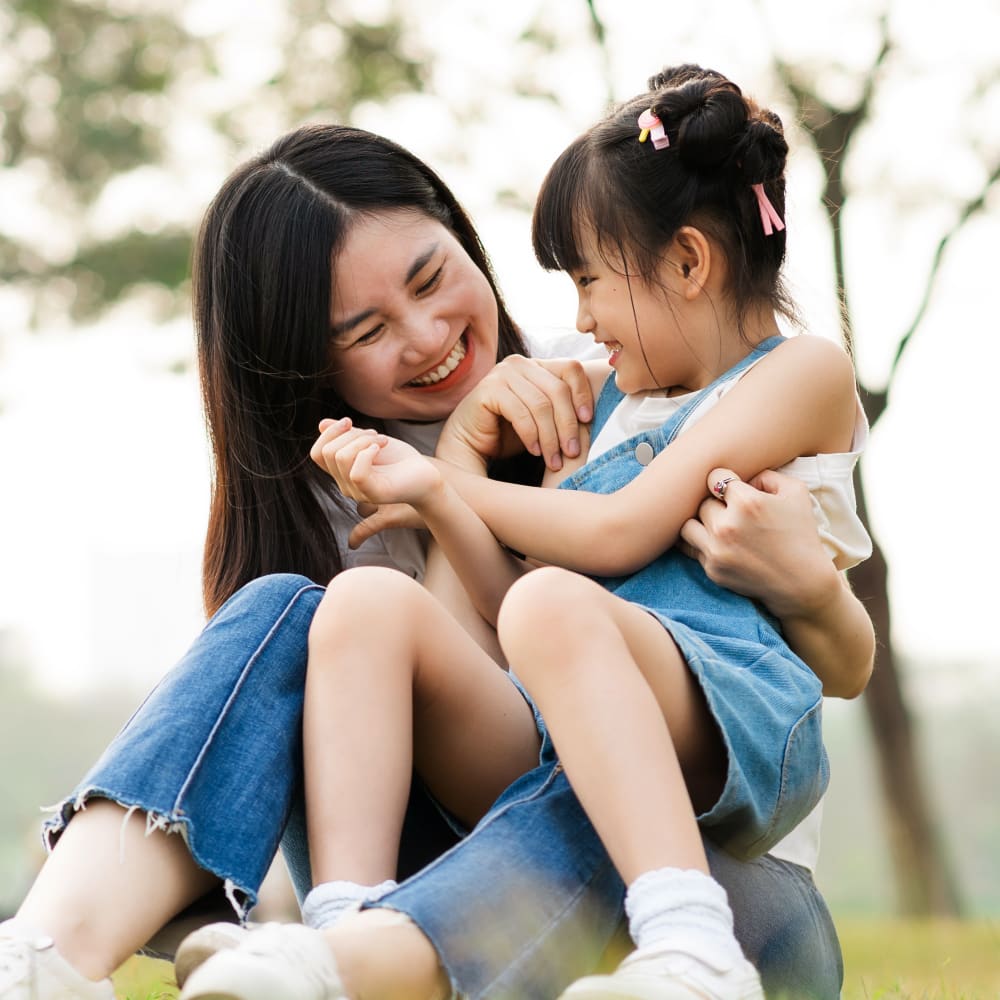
x=329 y=901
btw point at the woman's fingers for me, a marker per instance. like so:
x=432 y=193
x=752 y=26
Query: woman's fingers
x=378 y=519
x=542 y=401
x=719 y=482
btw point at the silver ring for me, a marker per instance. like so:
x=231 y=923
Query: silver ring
x=719 y=489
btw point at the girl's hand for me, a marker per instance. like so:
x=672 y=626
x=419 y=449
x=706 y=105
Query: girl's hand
x=523 y=402
x=373 y=468
x=762 y=541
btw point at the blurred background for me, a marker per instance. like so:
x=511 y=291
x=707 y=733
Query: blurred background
x=119 y=120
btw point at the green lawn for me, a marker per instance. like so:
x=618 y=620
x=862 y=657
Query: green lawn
x=884 y=959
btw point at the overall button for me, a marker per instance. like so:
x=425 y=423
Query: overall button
x=644 y=453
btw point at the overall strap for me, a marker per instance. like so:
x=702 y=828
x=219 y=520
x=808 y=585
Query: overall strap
x=610 y=395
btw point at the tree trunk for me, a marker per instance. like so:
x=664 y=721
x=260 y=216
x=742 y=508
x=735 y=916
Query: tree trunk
x=924 y=882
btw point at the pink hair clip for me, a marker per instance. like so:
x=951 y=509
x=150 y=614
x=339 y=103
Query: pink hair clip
x=769 y=217
x=652 y=126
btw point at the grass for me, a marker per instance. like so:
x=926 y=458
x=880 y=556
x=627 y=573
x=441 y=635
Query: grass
x=884 y=960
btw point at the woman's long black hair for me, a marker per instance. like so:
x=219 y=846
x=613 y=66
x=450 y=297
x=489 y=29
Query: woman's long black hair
x=262 y=285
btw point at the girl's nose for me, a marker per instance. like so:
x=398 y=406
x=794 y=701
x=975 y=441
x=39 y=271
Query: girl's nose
x=584 y=320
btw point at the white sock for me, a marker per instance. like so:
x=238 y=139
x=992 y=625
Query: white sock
x=684 y=907
x=329 y=901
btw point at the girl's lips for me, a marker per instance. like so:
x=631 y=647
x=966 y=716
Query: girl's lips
x=461 y=369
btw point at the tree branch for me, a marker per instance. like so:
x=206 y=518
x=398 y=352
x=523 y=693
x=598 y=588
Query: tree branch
x=971 y=207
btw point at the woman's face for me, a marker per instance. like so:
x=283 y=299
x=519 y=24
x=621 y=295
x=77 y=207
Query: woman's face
x=414 y=320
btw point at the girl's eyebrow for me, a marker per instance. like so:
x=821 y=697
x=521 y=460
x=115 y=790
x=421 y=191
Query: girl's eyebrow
x=415 y=268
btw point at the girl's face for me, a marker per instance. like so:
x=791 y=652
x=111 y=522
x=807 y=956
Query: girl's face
x=646 y=330
x=414 y=320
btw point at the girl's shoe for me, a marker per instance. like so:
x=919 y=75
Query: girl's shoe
x=662 y=974
x=32 y=969
x=274 y=962
x=200 y=945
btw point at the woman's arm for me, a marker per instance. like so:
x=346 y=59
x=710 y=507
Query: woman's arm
x=799 y=400
x=763 y=542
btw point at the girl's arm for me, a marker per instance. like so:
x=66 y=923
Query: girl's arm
x=799 y=400
x=763 y=542
x=375 y=468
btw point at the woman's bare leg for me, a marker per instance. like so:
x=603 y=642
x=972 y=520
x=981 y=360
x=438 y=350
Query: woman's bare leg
x=107 y=887
x=383 y=955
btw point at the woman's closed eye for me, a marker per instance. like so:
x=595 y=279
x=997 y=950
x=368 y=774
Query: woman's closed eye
x=432 y=282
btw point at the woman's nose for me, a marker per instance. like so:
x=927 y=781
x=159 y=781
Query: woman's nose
x=427 y=336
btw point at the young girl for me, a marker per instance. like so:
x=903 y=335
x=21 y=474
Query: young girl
x=671 y=702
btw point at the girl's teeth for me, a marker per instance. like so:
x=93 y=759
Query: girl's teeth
x=444 y=369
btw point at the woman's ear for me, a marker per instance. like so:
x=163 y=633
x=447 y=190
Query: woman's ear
x=691 y=254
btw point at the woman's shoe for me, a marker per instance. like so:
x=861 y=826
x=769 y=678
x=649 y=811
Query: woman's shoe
x=32 y=969
x=273 y=962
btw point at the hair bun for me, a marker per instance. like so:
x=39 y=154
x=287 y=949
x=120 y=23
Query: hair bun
x=762 y=150
x=709 y=115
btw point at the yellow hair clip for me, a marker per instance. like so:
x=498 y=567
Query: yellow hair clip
x=651 y=125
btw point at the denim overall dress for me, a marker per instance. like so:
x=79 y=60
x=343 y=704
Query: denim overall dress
x=765 y=700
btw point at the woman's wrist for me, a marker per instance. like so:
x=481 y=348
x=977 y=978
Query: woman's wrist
x=461 y=454
x=813 y=599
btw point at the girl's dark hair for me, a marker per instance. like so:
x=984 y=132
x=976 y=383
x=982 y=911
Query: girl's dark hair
x=635 y=197
x=262 y=287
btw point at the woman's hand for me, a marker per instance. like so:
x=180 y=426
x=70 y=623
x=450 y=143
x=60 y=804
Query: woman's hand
x=761 y=540
x=523 y=402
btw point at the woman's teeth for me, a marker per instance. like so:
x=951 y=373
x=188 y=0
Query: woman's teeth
x=444 y=369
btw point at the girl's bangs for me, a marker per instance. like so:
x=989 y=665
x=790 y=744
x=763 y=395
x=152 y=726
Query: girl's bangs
x=561 y=214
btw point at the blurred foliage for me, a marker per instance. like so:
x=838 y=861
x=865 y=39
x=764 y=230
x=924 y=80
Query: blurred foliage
x=88 y=91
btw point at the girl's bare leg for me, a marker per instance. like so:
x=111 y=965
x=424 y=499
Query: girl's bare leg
x=625 y=713
x=387 y=691
x=107 y=888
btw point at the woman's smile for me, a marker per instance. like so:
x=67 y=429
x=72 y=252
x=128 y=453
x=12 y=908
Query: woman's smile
x=449 y=369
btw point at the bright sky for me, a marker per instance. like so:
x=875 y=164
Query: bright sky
x=104 y=505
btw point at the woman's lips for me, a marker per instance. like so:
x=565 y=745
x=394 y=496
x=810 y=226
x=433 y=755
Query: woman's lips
x=455 y=364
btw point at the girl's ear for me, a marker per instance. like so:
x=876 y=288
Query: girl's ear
x=691 y=254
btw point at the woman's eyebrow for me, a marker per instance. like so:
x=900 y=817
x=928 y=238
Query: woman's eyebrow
x=420 y=263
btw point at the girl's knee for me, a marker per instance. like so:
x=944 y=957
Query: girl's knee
x=364 y=594
x=540 y=597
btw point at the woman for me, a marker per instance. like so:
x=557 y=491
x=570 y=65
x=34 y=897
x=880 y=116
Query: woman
x=214 y=752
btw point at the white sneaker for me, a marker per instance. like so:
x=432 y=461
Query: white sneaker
x=200 y=945
x=32 y=969
x=274 y=962
x=662 y=974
